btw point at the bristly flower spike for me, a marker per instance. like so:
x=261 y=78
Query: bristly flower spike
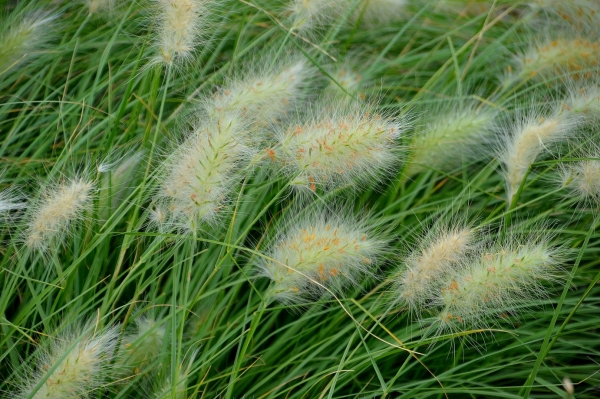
x=440 y=254
x=552 y=58
x=526 y=139
x=20 y=39
x=319 y=251
x=56 y=210
x=339 y=146
x=502 y=279
x=180 y=28
x=582 y=179
x=447 y=138
x=81 y=362
x=308 y=15
x=262 y=96
x=202 y=173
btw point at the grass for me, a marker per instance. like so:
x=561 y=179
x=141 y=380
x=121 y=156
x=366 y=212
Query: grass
x=89 y=96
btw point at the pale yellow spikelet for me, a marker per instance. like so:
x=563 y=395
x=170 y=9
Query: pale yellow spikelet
x=308 y=15
x=81 y=362
x=180 y=25
x=499 y=281
x=56 y=210
x=444 y=249
x=449 y=136
x=320 y=250
x=577 y=56
x=527 y=139
x=201 y=174
x=262 y=96
x=22 y=38
x=338 y=146
x=582 y=179
x=574 y=12
x=583 y=100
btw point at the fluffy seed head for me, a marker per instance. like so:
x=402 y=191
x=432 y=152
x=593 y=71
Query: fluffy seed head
x=350 y=82
x=262 y=96
x=163 y=388
x=21 y=39
x=56 y=210
x=83 y=364
x=201 y=174
x=320 y=246
x=584 y=100
x=144 y=345
x=563 y=55
x=582 y=179
x=449 y=138
x=381 y=12
x=526 y=139
x=307 y=15
x=502 y=278
x=337 y=148
x=445 y=248
x=180 y=27
x=572 y=11
x=96 y=6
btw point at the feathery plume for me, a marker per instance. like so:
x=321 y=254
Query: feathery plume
x=501 y=279
x=341 y=145
x=347 y=86
x=144 y=345
x=203 y=171
x=56 y=210
x=381 y=12
x=572 y=11
x=554 y=57
x=527 y=139
x=263 y=95
x=583 y=100
x=180 y=28
x=168 y=389
x=444 y=249
x=97 y=6
x=308 y=15
x=21 y=39
x=81 y=363
x=449 y=137
x=320 y=246
x=582 y=179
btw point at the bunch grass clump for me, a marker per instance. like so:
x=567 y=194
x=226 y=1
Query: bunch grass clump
x=299 y=199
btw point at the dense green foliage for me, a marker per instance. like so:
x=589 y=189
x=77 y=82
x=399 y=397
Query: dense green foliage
x=88 y=94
